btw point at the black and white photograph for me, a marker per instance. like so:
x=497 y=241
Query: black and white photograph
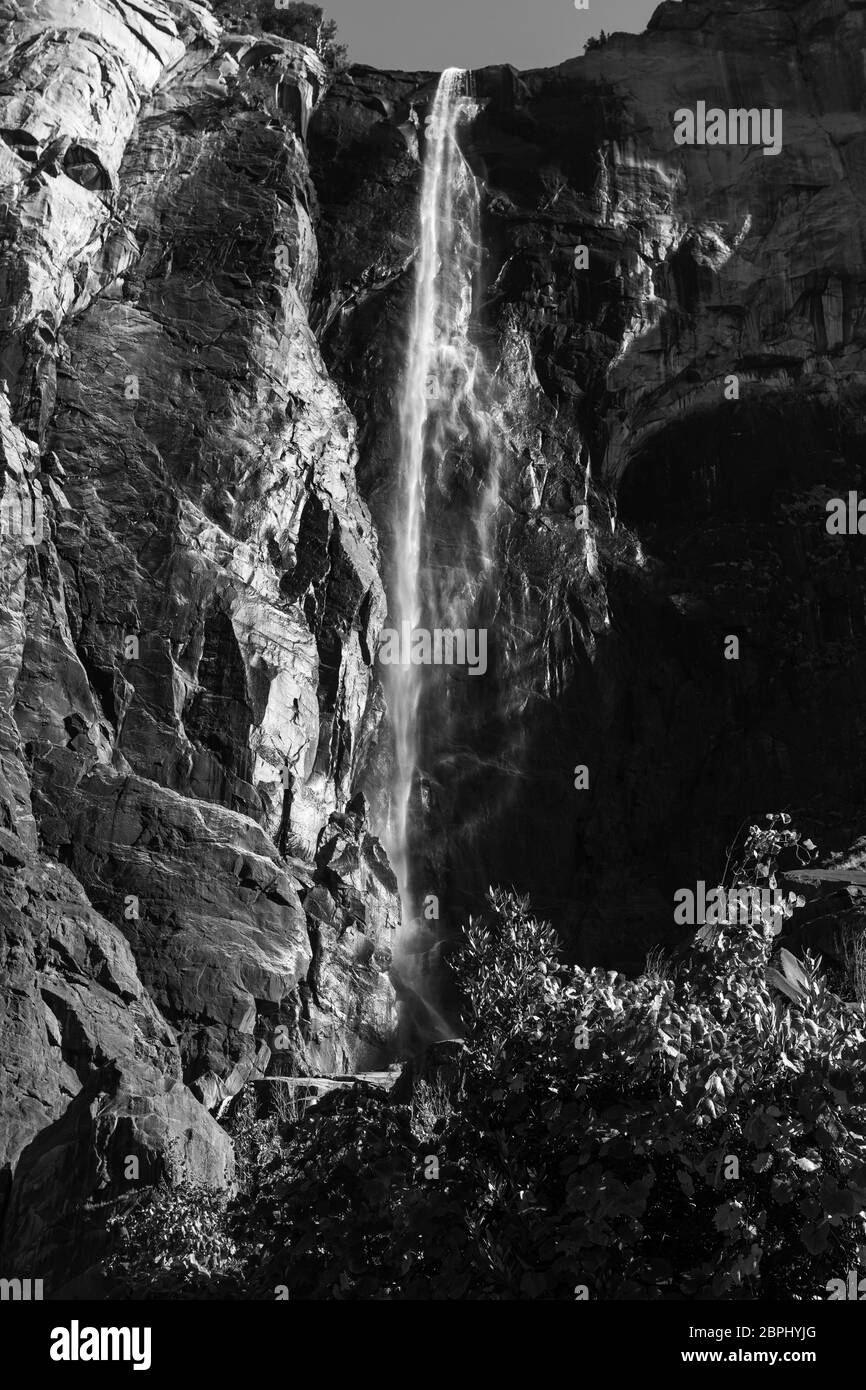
x=432 y=670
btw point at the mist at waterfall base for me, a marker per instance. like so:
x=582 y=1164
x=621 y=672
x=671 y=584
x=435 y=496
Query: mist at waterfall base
x=447 y=446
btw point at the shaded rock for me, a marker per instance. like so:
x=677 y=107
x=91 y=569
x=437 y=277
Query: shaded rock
x=91 y=1077
x=439 y=1063
x=705 y=516
x=218 y=929
x=352 y=911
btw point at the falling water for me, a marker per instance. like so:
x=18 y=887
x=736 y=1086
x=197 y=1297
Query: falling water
x=442 y=415
x=438 y=368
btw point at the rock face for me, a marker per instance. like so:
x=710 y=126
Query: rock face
x=345 y=1005
x=201 y=343
x=190 y=605
x=92 y=1077
x=612 y=389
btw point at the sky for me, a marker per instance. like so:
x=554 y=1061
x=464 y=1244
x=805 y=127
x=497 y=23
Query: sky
x=436 y=34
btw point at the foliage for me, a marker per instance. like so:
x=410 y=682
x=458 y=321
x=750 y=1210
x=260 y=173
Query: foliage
x=698 y=1132
x=172 y=1243
x=303 y=23
x=432 y=1107
x=307 y=24
x=852 y=948
x=257 y=1144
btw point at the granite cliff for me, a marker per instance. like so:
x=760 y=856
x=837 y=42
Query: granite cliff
x=190 y=604
x=612 y=390
x=206 y=261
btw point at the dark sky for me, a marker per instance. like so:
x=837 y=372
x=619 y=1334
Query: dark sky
x=437 y=34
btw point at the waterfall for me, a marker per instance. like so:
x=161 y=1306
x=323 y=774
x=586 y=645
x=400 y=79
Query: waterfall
x=444 y=434
x=439 y=369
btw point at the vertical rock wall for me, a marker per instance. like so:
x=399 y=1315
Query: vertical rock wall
x=190 y=601
x=705 y=513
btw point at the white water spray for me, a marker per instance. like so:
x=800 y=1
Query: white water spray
x=440 y=375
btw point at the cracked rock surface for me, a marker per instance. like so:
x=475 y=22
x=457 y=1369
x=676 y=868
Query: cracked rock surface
x=190 y=602
x=705 y=512
x=206 y=253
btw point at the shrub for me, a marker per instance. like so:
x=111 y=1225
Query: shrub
x=172 y=1243
x=304 y=23
x=698 y=1132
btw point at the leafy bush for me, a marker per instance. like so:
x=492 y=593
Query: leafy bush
x=172 y=1243
x=696 y=1133
x=304 y=23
